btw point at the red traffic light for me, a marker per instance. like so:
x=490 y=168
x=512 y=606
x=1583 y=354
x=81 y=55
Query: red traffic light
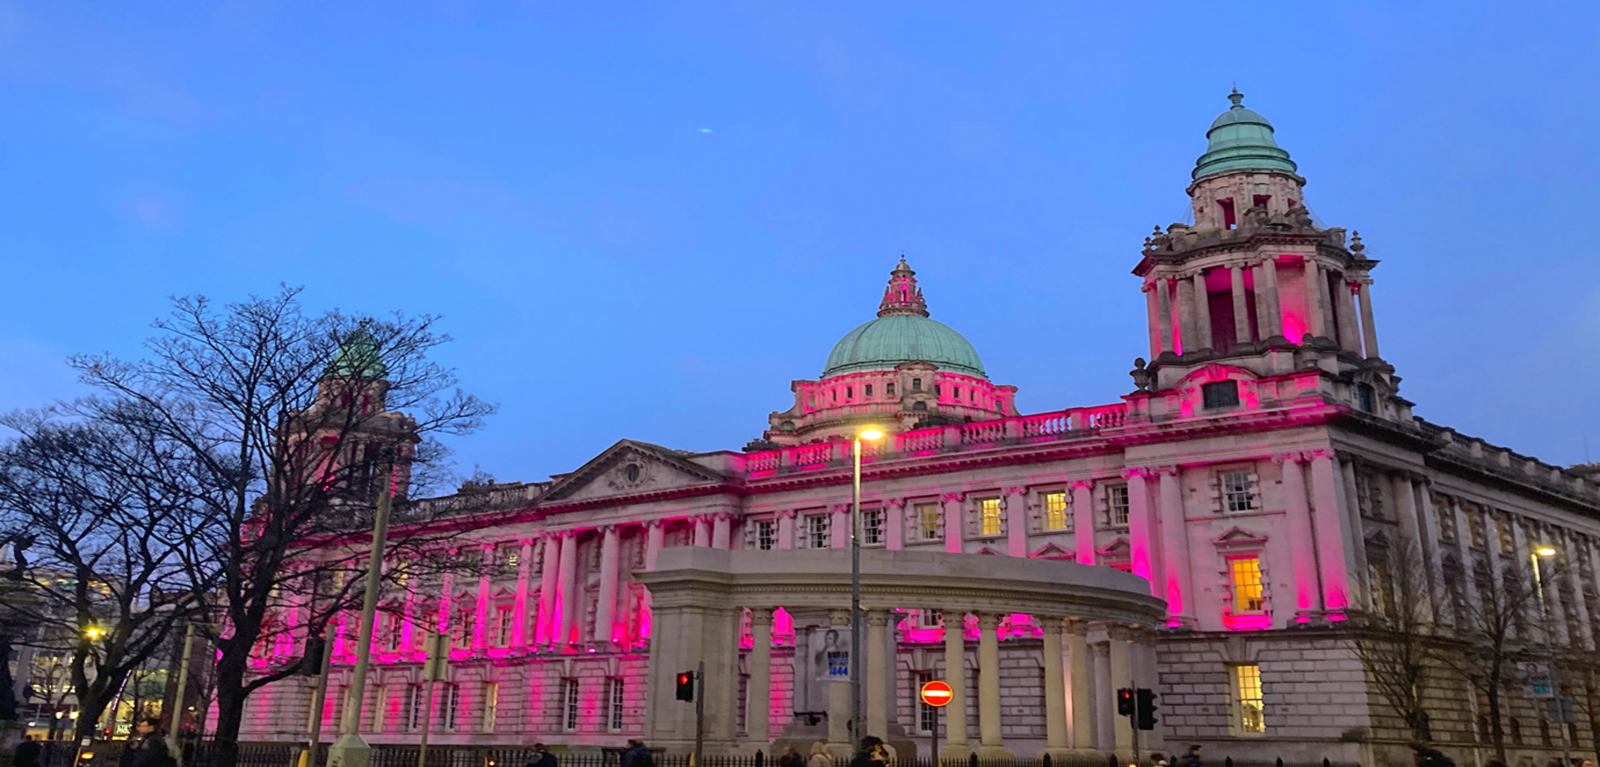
x=1125 y=702
x=686 y=686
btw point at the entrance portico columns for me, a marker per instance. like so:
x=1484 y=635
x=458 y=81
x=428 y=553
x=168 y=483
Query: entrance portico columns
x=758 y=717
x=877 y=673
x=1121 y=647
x=839 y=695
x=1082 y=685
x=955 y=673
x=989 y=743
x=1055 y=689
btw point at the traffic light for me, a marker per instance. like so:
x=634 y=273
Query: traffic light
x=1125 y=702
x=686 y=686
x=1146 y=718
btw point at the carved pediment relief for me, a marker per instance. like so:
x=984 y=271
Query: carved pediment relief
x=1238 y=537
x=629 y=468
x=1052 y=551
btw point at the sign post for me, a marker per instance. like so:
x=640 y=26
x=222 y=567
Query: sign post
x=937 y=694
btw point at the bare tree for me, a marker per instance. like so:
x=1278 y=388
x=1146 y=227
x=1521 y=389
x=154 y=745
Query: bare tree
x=1492 y=636
x=293 y=424
x=100 y=515
x=1397 y=647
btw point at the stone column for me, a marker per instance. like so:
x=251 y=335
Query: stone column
x=655 y=539
x=1202 y=312
x=1355 y=543
x=1302 y=542
x=877 y=677
x=1332 y=532
x=990 y=745
x=1139 y=525
x=1572 y=552
x=1469 y=577
x=480 y=621
x=1428 y=532
x=1186 y=313
x=1164 y=319
x=1175 y=549
x=1055 y=687
x=1105 y=697
x=519 y=619
x=606 y=610
x=1345 y=315
x=1016 y=501
x=1266 y=327
x=1312 y=291
x=839 y=693
x=722 y=532
x=1411 y=527
x=1082 y=684
x=1369 y=331
x=894 y=524
x=759 y=699
x=1083 y=520
x=1154 y=319
x=549 y=571
x=955 y=673
x=702 y=532
x=952 y=522
x=1241 y=309
x=567 y=590
x=1121 y=676
x=1268 y=269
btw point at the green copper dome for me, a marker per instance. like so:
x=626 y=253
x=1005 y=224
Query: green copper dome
x=1240 y=140
x=888 y=341
x=358 y=357
x=903 y=333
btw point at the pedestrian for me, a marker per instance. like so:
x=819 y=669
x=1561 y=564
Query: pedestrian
x=868 y=755
x=791 y=758
x=637 y=755
x=541 y=757
x=1158 y=759
x=149 y=749
x=1191 y=759
x=27 y=753
x=1428 y=756
x=820 y=756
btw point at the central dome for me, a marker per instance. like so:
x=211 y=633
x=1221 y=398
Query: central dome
x=899 y=338
x=903 y=333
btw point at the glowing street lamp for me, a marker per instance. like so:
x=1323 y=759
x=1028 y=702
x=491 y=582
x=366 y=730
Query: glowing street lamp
x=1547 y=552
x=94 y=633
x=871 y=435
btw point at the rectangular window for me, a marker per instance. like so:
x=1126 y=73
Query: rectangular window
x=1117 y=505
x=869 y=390
x=1219 y=394
x=1244 y=575
x=1226 y=208
x=614 y=719
x=817 y=532
x=849 y=392
x=418 y=694
x=510 y=555
x=1251 y=717
x=395 y=631
x=929 y=618
x=936 y=391
x=504 y=626
x=452 y=706
x=925 y=713
x=955 y=393
x=916 y=384
x=872 y=527
x=889 y=389
x=1238 y=492
x=1055 y=510
x=988 y=516
x=1364 y=397
x=569 y=712
x=928 y=519
x=766 y=535
x=491 y=705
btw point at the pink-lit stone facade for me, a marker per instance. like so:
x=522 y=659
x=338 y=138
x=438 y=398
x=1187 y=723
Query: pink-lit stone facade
x=1266 y=431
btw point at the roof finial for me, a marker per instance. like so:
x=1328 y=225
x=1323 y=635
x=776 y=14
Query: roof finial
x=1356 y=245
x=1236 y=97
x=902 y=296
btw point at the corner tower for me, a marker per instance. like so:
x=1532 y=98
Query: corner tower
x=1255 y=284
x=899 y=372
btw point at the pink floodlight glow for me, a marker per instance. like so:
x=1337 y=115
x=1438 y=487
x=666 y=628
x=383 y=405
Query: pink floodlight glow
x=1247 y=622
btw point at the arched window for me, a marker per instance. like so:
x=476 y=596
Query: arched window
x=919 y=406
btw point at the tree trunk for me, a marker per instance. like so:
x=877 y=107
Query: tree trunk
x=230 y=705
x=1497 y=736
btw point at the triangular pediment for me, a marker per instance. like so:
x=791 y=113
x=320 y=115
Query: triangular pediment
x=990 y=552
x=1116 y=549
x=1052 y=551
x=1238 y=536
x=631 y=468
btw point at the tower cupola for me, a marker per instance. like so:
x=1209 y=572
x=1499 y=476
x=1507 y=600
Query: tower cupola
x=1241 y=139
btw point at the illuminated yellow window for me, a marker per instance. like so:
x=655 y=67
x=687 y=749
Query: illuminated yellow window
x=1055 y=510
x=1247 y=698
x=989 y=515
x=1246 y=576
x=929 y=518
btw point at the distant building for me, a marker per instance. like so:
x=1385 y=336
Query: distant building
x=1263 y=480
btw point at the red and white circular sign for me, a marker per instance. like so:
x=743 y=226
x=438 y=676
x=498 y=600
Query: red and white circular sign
x=937 y=693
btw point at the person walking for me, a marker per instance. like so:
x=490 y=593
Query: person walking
x=1191 y=759
x=542 y=757
x=149 y=749
x=791 y=758
x=637 y=755
x=820 y=756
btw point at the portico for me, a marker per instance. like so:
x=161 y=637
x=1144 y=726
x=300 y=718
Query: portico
x=701 y=596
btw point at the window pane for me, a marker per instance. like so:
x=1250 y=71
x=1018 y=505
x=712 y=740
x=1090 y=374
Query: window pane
x=1055 y=510
x=928 y=518
x=1117 y=501
x=989 y=515
x=1247 y=689
x=1238 y=491
x=1246 y=576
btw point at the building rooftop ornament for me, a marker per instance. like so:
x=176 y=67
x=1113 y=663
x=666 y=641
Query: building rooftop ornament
x=1240 y=139
x=358 y=356
x=903 y=333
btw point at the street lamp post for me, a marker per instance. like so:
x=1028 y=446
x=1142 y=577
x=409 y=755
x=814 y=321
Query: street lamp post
x=350 y=750
x=1546 y=552
x=855 y=585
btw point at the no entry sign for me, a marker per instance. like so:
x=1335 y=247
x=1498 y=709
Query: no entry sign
x=937 y=693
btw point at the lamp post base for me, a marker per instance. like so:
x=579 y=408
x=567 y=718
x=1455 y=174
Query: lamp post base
x=349 y=751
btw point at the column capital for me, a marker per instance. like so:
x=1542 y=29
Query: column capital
x=1120 y=633
x=1015 y=491
x=528 y=540
x=895 y=503
x=1137 y=471
x=988 y=622
x=839 y=618
x=957 y=497
x=840 y=508
x=1077 y=627
x=761 y=616
x=786 y=513
x=1087 y=484
x=1283 y=458
x=1171 y=470
x=1312 y=455
x=877 y=617
x=607 y=529
x=1050 y=624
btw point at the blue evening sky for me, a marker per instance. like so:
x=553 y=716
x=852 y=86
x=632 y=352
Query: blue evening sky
x=541 y=174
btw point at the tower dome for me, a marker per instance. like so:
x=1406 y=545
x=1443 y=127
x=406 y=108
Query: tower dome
x=1241 y=139
x=903 y=333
